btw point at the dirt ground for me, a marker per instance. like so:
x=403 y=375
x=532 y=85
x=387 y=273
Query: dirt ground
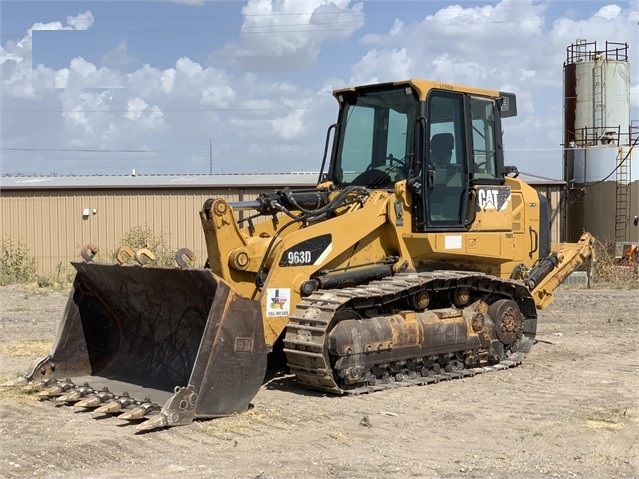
x=571 y=410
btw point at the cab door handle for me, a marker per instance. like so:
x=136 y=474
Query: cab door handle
x=534 y=241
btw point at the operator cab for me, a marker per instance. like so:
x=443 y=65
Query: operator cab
x=375 y=137
x=441 y=139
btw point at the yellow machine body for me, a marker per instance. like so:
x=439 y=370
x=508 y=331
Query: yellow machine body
x=419 y=253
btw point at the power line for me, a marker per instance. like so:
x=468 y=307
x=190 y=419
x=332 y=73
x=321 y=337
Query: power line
x=259 y=30
x=222 y=30
x=272 y=29
x=367 y=10
x=204 y=153
x=92 y=150
x=175 y=110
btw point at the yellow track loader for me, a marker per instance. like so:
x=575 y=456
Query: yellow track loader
x=417 y=257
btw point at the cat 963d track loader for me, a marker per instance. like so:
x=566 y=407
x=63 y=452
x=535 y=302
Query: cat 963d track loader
x=418 y=257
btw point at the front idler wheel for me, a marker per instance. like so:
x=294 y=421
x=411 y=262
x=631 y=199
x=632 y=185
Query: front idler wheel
x=508 y=320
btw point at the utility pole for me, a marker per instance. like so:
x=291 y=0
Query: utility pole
x=210 y=156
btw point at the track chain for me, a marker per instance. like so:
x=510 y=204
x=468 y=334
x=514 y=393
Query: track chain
x=308 y=326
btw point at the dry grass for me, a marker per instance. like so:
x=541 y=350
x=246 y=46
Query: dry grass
x=27 y=347
x=20 y=309
x=615 y=418
x=249 y=421
x=592 y=424
x=608 y=273
x=17 y=393
x=343 y=438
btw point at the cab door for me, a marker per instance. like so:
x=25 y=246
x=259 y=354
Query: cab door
x=446 y=165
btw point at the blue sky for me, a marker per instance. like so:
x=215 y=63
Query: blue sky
x=104 y=87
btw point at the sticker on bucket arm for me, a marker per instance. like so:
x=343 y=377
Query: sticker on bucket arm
x=493 y=198
x=278 y=302
x=312 y=251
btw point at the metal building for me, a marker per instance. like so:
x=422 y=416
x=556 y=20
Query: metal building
x=600 y=163
x=56 y=215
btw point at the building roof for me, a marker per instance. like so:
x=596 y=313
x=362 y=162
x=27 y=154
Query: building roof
x=159 y=181
x=244 y=180
x=540 y=180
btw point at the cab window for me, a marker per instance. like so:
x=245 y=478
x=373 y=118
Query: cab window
x=446 y=160
x=375 y=142
x=483 y=138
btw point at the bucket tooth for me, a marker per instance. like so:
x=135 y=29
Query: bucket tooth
x=45 y=393
x=62 y=399
x=52 y=389
x=33 y=387
x=116 y=405
x=110 y=407
x=155 y=422
x=178 y=410
x=140 y=411
x=89 y=402
x=94 y=400
x=42 y=368
x=57 y=389
x=37 y=386
x=16 y=382
x=75 y=394
x=135 y=413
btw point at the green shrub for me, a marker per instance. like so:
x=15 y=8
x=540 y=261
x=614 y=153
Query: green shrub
x=45 y=281
x=144 y=237
x=60 y=280
x=16 y=265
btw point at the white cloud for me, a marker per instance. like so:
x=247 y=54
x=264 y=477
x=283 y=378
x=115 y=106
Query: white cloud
x=116 y=58
x=188 y=84
x=447 y=69
x=190 y=78
x=289 y=35
x=382 y=65
x=218 y=96
x=135 y=108
x=83 y=74
x=82 y=21
x=609 y=12
x=187 y=2
x=167 y=80
x=510 y=46
x=150 y=79
x=149 y=117
x=18 y=79
x=289 y=126
x=83 y=113
x=260 y=122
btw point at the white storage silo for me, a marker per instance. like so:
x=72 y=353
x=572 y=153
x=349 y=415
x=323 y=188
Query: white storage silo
x=597 y=139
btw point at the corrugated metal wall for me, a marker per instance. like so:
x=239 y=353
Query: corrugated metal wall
x=597 y=212
x=553 y=195
x=51 y=221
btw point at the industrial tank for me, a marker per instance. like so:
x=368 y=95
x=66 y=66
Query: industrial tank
x=598 y=162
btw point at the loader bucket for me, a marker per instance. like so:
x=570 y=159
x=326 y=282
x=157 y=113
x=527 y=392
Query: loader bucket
x=153 y=332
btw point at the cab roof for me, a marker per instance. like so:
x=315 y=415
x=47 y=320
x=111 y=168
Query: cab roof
x=423 y=86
